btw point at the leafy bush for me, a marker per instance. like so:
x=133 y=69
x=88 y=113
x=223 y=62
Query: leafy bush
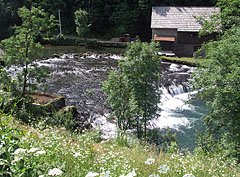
x=64 y=41
x=92 y=43
x=218 y=79
x=58 y=120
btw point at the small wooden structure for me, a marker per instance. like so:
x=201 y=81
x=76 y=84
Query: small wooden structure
x=176 y=28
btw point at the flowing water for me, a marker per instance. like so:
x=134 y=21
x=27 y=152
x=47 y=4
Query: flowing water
x=79 y=80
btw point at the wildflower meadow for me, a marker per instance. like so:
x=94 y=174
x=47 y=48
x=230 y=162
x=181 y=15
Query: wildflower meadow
x=28 y=151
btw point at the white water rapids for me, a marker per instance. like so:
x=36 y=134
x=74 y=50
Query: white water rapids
x=74 y=76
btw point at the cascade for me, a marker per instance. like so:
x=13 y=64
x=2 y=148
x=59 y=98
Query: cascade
x=74 y=76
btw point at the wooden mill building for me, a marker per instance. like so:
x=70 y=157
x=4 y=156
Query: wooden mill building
x=176 y=28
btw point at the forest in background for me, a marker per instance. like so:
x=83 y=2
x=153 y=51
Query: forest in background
x=108 y=18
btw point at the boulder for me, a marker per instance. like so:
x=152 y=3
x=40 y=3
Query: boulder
x=82 y=121
x=56 y=104
x=72 y=109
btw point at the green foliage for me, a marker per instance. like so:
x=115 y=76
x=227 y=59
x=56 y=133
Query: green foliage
x=28 y=151
x=58 y=120
x=218 y=78
x=9 y=136
x=92 y=43
x=110 y=18
x=119 y=98
x=142 y=72
x=230 y=13
x=133 y=89
x=162 y=138
x=39 y=152
x=82 y=23
x=8 y=13
x=63 y=41
x=226 y=19
x=21 y=48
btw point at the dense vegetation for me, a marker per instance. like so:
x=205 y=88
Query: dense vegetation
x=108 y=17
x=47 y=152
x=218 y=78
x=20 y=48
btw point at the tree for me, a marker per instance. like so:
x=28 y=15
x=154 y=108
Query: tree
x=142 y=70
x=133 y=90
x=219 y=81
x=82 y=24
x=223 y=21
x=8 y=13
x=119 y=98
x=21 y=48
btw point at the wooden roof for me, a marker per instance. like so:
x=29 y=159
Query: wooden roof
x=180 y=18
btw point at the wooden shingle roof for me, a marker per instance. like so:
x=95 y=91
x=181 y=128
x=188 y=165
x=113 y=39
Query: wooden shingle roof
x=180 y=18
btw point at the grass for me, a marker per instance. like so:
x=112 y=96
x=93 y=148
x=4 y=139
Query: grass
x=183 y=60
x=57 y=152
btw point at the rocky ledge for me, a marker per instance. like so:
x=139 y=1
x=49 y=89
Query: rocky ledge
x=52 y=103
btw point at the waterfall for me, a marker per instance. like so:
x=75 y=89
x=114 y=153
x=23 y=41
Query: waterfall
x=178 y=89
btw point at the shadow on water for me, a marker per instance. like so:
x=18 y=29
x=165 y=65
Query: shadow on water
x=186 y=135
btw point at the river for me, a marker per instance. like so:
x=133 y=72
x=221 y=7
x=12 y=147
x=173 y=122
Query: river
x=79 y=77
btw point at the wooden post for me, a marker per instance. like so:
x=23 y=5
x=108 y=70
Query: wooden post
x=60 y=24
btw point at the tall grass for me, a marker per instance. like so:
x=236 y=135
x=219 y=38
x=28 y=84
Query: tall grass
x=57 y=152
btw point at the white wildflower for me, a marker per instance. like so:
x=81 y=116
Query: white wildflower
x=32 y=150
x=149 y=161
x=105 y=174
x=131 y=174
x=2 y=161
x=19 y=151
x=92 y=174
x=163 y=169
x=41 y=176
x=154 y=175
x=39 y=153
x=77 y=154
x=189 y=175
x=55 y=172
x=16 y=159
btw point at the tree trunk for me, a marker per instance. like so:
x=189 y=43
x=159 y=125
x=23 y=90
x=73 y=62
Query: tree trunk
x=25 y=80
x=145 y=127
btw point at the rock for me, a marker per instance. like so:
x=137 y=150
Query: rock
x=72 y=109
x=56 y=55
x=82 y=122
x=56 y=104
x=200 y=54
